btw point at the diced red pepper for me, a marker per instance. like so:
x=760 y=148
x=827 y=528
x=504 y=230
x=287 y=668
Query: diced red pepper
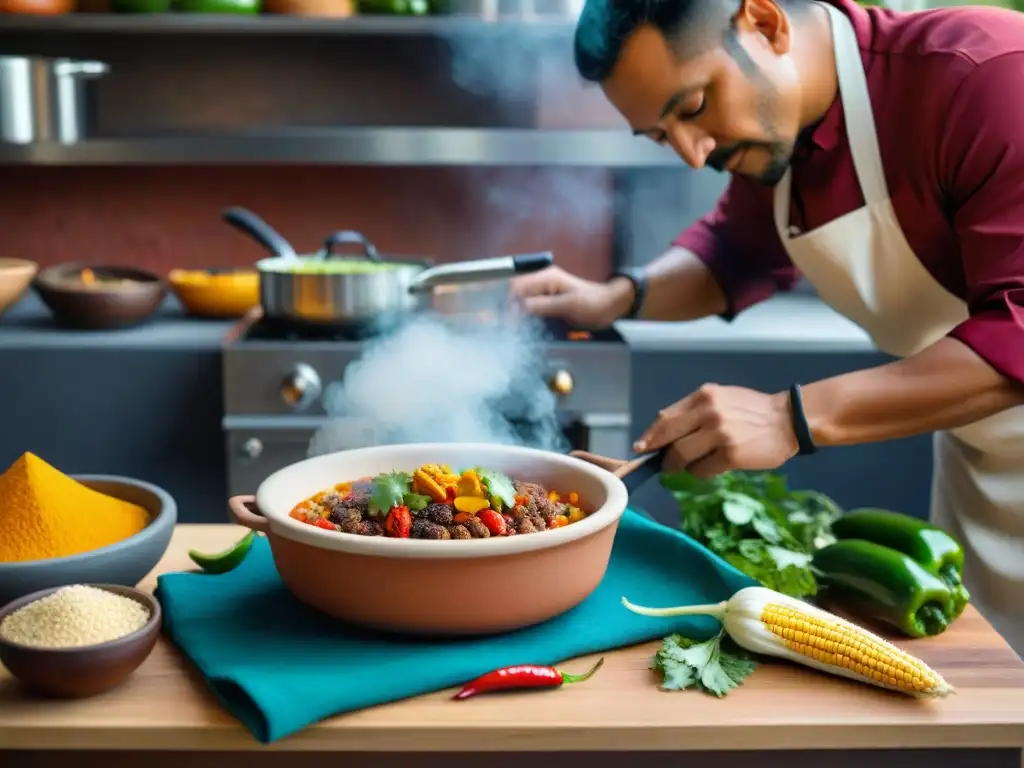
x=327 y=525
x=398 y=523
x=461 y=518
x=493 y=520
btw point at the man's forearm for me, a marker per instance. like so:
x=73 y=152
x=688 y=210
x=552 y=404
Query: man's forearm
x=945 y=386
x=679 y=287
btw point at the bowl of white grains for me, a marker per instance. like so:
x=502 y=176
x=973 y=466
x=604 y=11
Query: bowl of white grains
x=78 y=640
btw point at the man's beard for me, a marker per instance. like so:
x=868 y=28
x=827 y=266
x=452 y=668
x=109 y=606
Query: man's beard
x=779 y=156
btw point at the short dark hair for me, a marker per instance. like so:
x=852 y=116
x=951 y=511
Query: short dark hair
x=605 y=25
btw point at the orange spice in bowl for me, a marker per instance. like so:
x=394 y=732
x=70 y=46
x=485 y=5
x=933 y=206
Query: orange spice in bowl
x=46 y=514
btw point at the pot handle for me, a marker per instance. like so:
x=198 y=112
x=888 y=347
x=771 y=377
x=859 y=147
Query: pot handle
x=243 y=511
x=349 y=237
x=264 y=234
x=83 y=69
x=481 y=270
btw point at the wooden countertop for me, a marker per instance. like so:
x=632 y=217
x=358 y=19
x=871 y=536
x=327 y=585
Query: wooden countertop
x=164 y=706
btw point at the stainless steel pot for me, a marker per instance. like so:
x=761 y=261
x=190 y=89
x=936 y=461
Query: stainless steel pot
x=328 y=288
x=43 y=99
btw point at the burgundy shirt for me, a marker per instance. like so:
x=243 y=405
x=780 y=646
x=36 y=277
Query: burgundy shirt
x=947 y=90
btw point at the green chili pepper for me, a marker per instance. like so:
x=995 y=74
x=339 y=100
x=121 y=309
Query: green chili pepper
x=225 y=561
x=930 y=547
x=878 y=583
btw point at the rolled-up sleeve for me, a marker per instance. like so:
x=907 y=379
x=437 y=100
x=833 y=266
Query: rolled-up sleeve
x=982 y=166
x=738 y=243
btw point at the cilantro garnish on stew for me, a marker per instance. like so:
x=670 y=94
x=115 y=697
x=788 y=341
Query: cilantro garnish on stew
x=388 y=490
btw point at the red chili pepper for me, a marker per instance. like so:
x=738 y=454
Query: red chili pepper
x=398 y=523
x=523 y=676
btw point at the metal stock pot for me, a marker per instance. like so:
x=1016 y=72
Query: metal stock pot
x=44 y=99
x=329 y=288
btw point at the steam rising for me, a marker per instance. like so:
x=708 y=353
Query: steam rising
x=438 y=381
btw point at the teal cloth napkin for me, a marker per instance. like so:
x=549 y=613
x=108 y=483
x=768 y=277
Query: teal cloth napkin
x=278 y=666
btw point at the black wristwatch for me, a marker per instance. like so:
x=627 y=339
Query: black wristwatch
x=635 y=275
x=804 y=439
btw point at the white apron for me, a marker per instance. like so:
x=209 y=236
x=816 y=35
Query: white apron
x=863 y=267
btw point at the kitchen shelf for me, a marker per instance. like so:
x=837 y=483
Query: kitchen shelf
x=362 y=146
x=270 y=24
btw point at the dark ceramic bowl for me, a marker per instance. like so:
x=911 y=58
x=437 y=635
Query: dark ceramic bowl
x=76 y=673
x=124 y=562
x=100 y=306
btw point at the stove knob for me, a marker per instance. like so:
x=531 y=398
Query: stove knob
x=301 y=387
x=561 y=383
x=252 y=448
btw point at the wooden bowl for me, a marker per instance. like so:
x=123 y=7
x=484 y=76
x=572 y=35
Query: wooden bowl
x=120 y=297
x=81 y=672
x=446 y=587
x=216 y=293
x=15 y=277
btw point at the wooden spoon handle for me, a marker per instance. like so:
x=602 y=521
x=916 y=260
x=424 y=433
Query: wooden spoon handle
x=633 y=472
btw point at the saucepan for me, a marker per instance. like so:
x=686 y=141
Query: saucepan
x=363 y=288
x=553 y=570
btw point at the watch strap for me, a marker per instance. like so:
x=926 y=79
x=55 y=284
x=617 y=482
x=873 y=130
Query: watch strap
x=636 y=277
x=802 y=430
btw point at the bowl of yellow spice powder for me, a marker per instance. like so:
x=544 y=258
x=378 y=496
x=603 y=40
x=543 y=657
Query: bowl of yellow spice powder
x=57 y=529
x=78 y=640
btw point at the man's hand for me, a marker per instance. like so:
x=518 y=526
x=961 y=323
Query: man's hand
x=553 y=292
x=719 y=428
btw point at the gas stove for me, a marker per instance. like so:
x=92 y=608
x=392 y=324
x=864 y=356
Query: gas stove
x=276 y=375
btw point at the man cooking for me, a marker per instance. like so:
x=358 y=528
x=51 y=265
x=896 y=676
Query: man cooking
x=880 y=156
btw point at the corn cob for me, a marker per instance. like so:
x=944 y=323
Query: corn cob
x=764 y=621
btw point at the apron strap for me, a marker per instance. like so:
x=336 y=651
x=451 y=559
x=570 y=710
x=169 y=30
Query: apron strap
x=857 y=112
x=858 y=118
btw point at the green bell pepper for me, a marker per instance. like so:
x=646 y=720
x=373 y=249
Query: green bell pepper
x=930 y=547
x=240 y=7
x=877 y=583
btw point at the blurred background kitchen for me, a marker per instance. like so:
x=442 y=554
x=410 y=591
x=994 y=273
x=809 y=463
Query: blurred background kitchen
x=437 y=129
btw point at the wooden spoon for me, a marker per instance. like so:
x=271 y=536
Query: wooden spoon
x=632 y=472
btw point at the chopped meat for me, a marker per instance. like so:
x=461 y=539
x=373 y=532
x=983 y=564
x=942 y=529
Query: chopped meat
x=438 y=513
x=371 y=528
x=345 y=516
x=425 y=529
x=477 y=528
x=460 y=532
x=526 y=526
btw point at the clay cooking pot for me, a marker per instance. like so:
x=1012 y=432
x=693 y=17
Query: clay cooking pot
x=448 y=587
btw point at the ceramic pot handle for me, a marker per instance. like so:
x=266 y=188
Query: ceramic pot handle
x=243 y=511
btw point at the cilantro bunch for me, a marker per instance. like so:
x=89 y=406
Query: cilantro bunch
x=756 y=523
x=715 y=666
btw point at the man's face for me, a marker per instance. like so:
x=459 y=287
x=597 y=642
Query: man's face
x=733 y=105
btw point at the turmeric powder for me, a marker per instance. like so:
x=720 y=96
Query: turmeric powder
x=45 y=514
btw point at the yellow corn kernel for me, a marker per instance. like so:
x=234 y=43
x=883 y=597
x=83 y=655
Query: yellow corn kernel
x=426 y=485
x=470 y=504
x=574 y=498
x=469 y=485
x=847 y=647
x=553 y=496
x=319 y=498
x=561 y=520
x=576 y=514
